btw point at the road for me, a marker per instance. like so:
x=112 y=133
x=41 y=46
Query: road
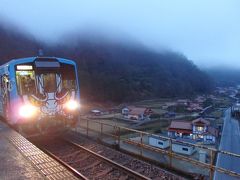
x=230 y=141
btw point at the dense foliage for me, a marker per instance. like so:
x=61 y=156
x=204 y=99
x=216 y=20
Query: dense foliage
x=115 y=71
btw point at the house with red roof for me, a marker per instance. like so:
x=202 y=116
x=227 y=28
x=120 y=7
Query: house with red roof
x=180 y=129
x=136 y=113
x=198 y=129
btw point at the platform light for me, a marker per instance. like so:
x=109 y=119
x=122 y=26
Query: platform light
x=72 y=105
x=27 y=111
x=24 y=67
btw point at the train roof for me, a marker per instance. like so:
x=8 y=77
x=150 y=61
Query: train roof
x=31 y=59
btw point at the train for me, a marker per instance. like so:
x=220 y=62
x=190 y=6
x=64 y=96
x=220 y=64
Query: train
x=235 y=110
x=39 y=95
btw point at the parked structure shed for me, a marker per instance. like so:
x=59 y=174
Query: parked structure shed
x=158 y=142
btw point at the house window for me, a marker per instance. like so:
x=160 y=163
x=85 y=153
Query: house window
x=160 y=143
x=185 y=149
x=199 y=128
x=209 y=138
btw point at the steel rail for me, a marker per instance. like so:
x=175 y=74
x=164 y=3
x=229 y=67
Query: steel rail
x=73 y=170
x=109 y=161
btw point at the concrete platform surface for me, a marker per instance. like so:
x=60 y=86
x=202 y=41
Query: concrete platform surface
x=21 y=160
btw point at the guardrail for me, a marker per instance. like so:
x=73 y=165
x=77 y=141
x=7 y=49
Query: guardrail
x=125 y=135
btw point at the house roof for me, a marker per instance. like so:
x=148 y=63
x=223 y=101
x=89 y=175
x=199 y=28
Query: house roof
x=181 y=125
x=213 y=131
x=200 y=121
x=159 y=138
x=137 y=111
x=182 y=140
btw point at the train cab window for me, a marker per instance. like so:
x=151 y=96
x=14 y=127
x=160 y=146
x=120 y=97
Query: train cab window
x=25 y=82
x=49 y=82
x=68 y=77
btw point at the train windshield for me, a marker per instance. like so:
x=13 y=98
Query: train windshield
x=56 y=80
x=43 y=80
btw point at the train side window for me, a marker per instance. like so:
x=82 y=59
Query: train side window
x=26 y=82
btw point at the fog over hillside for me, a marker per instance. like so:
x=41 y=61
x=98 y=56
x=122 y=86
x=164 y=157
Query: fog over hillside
x=113 y=69
x=207 y=32
x=224 y=76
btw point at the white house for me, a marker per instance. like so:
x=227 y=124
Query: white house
x=125 y=111
x=200 y=126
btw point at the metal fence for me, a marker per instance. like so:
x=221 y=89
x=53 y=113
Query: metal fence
x=119 y=135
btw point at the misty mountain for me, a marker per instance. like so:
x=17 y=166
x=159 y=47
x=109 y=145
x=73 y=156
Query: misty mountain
x=225 y=76
x=115 y=70
x=15 y=43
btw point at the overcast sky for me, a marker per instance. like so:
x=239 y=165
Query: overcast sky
x=206 y=31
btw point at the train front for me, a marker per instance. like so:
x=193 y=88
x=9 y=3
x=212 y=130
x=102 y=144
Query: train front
x=49 y=93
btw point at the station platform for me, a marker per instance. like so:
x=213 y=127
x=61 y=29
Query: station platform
x=20 y=159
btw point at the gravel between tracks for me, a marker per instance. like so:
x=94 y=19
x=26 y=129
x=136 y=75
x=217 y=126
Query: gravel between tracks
x=128 y=161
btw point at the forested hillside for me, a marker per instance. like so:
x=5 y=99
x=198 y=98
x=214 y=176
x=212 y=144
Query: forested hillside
x=112 y=70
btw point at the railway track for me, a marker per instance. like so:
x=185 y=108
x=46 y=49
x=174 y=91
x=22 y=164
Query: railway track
x=86 y=164
x=90 y=160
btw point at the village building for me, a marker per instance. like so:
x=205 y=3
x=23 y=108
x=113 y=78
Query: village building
x=194 y=107
x=183 y=102
x=136 y=113
x=125 y=111
x=158 y=142
x=96 y=112
x=180 y=146
x=181 y=129
x=198 y=129
x=183 y=148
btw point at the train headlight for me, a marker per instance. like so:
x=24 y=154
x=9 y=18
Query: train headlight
x=27 y=111
x=72 y=105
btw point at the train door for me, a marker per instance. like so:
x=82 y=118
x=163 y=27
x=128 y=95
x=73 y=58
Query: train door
x=1 y=97
x=5 y=88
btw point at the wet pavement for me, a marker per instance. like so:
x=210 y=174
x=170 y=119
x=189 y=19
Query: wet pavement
x=20 y=159
x=13 y=164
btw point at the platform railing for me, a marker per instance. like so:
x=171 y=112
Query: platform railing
x=120 y=134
